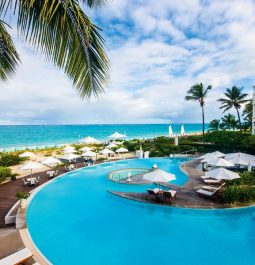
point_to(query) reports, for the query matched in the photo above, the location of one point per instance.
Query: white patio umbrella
(68, 147)
(182, 130)
(51, 161)
(85, 149)
(89, 154)
(220, 162)
(112, 145)
(31, 166)
(117, 135)
(241, 159)
(222, 173)
(159, 176)
(170, 131)
(207, 157)
(90, 140)
(29, 155)
(69, 157)
(218, 154)
(122, 150)
(106, 151)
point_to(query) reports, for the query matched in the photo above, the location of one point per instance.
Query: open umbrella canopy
(69, 151)
(222, 173)
(112, 145)
(182, 130)
(207, 158)
(159, 176)
(28, 154)
(121, 150)
(31, 166)
(69, 157)
(117, 135)
(68, 147)
(89, 154)
(90, 140)
(106, 152)
(170, 131)
(241, 159)
(220, 162)
(218, 154)
(85, 149)
(51, 161)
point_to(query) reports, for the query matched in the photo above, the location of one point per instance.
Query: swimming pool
(74, 220)
(118, 175)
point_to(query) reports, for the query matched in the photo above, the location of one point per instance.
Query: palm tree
(214, 125)
(229, 122)
(247, 112)
(64, 34)
(233, 99)
(199, 93)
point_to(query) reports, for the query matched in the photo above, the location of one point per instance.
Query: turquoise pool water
(123, 173)
(74, 220)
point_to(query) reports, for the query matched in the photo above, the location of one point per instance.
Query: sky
(157, 51)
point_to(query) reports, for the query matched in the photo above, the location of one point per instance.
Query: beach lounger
(204, 177)
(209, 188)
(152, 193)
(207, 193)
(25, 182)
(212, 181)
(17, 258)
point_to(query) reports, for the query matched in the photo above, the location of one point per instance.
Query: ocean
(31, 136)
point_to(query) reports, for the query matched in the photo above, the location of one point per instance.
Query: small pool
(74, 220)
(123, 173)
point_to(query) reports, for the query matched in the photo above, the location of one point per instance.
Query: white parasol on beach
(159, 175)
(31, 166)
(220, 162)
(89, 154)
(241, 159)
(69, 157)
(90, 140)
(122, 150)
(51, 161)
(182, 130)
(28, 155)
(117, 135)
(222, 173)
(85, 149)
(170, 131)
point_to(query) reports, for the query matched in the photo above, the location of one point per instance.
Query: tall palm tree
(199, 93)
(247, 112)
(64, 34)
(234, 98)
(229, 122)
(214, 125)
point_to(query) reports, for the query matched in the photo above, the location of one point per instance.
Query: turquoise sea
(30, 136)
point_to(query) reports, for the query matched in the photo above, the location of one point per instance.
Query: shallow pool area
(121, 174)
(75, 220)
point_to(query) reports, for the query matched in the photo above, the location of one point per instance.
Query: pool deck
(187, 196)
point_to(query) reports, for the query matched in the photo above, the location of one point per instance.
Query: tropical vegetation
(10, 159)
(198, 93)
(5, 174)
(63, 33)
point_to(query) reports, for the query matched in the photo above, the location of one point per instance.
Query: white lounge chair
(207, 193)
(209, 188)
(204, 177)
(17, 257)
(25, 182)
(212, 181)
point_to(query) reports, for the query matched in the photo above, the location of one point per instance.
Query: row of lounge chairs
(208, 190)
(161, 195)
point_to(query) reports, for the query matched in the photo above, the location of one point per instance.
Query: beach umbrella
(222, 173)
(220, 162)
(28, 155)
(90, 140)
(51, 161)
(117, 135)
(106, 151)
(68, 147)
(112, 145)
(182, 130)
(207, 157)
(121, 150)
(89, 154)
(241, 159)
(170, 131)
(31, 166)
(69, 151)
(218, 154)
(85, 149)
(159, 176)
(69, 157)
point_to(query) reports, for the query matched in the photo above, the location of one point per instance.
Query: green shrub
(22, 195)
(7, 159)
(239, 194)
(247, 178)
(5, 173)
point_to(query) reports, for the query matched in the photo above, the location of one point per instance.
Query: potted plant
(22, 196)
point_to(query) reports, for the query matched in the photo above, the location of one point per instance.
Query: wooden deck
(187, 196)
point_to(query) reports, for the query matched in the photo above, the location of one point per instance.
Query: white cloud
(157, 51)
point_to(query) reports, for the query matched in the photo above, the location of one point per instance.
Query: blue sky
(157, 49)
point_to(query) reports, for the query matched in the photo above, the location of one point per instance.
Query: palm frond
(9, 57)
(67, 38)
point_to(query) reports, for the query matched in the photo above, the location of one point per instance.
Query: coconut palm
(247, 112)
(64, 34)
(214, 125)
(229, 122)
(234, 98)
(199, 93)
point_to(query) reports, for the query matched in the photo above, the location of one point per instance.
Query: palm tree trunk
(239, 119)
(203, 120)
